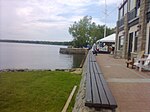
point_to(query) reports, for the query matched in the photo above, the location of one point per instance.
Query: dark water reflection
(35, 56)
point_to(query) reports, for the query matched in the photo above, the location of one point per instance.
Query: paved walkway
(130, 87)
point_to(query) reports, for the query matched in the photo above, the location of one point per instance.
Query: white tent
(110, 38)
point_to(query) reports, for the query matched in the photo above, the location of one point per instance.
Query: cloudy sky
(50, 19)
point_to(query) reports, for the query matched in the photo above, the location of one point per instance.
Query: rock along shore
(73, 70)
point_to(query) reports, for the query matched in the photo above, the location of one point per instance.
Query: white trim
(138, 11)
(132, 29)
(120, 34)
(133, 42)
(147, 38)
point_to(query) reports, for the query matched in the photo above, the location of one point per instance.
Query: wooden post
(69, 99)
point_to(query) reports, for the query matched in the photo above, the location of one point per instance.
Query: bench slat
(96, 99)
(102, 94)
(88, 85)
(98, 68)
(92, 57)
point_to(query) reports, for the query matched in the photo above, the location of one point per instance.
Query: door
(130, 45)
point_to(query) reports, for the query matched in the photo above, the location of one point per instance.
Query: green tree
(80, 31)
(87, 32)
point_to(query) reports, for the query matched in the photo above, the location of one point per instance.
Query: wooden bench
(98, 95)
(133, 59)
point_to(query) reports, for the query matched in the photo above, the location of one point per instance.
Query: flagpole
(105, 19)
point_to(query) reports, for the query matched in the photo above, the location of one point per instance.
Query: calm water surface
(35, 56)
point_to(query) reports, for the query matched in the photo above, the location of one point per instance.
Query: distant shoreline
(37, 42)
(23, 70)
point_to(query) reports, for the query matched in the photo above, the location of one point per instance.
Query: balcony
(132, 15)
(148, 11)
(148, 16)
(148, 4)
(120, 22)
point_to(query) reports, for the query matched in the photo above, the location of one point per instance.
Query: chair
(135, 60)
(144, 63)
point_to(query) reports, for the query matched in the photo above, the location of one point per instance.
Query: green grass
(38, 91)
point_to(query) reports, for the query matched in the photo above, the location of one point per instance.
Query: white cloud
(24, 11)
(78, 3)
(98, 21)
(48, 17)
(110, 2)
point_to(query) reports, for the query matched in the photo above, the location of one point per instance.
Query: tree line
(37, 42)
(85, 32)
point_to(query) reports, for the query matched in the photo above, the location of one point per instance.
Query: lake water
(35, 56)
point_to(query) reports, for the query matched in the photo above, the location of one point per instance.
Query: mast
(105, 19)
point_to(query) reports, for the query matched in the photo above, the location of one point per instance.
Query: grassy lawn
(38, 91)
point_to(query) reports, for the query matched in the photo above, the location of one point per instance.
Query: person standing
(94, 49)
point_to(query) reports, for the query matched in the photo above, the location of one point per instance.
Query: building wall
(126, 37)
(140, 27)
(143, 26)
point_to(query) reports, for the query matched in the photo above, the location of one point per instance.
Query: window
(148, 5)
(130, 43)
(121, 40)
(121, 13)
(132, 4)
(149, 43)
(135, 41)
(125, 8)
(147, 49)
(138, 3)
(149, 46)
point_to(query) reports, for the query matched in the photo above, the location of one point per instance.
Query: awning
(110, 38)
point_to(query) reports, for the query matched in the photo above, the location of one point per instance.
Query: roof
(110, 38)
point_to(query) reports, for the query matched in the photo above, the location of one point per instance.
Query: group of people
(95, 50)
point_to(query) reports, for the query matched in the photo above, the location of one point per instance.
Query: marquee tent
(110, 38)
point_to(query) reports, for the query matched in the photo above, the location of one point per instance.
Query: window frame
(120, 42)
(125, 8)
(131, 4)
